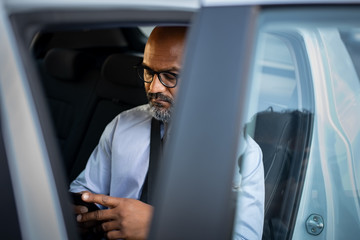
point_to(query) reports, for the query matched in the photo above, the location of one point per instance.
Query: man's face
(163, 53)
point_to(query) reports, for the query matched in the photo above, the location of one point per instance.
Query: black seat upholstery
(69, 78)
(119, 89)
(85, 92)
(284, 139)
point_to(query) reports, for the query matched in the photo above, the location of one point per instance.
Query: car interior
(88, 78)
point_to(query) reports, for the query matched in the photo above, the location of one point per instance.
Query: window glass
(280, 123)
(304, 114)
(146, 30)
(276, 73)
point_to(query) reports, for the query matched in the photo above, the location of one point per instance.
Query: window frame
(24, 26)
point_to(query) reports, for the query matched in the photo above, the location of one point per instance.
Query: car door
(286, 72)
(38, 174)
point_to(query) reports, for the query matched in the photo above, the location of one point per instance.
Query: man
(116, 171)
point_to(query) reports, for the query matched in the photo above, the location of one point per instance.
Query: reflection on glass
(280, 126)
(304, 113)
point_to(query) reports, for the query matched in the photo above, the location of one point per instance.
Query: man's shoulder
(133, 117)
(138, 113)
(252, 160)
(252, 145)
(126, 122)
(139, 110)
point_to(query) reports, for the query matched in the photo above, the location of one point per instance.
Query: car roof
(12, 6)
(33, 5)
(30, 5)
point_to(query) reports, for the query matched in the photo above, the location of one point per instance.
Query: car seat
(119, 89)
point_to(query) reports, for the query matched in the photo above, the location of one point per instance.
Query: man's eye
(168, 76)
(148, 73)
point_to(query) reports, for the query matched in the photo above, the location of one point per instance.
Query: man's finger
(101, 199)
(110, 226)
(99, 215)
(117, 234)
(88, 225)
(78, 209)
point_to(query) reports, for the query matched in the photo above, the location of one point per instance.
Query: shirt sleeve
(96, 175)
(250, 196)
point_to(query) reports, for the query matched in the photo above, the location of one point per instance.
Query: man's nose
(156, 85)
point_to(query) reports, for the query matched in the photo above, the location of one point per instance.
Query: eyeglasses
(168, 79)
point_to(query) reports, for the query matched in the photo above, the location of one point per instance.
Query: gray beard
(157, 110)
(160, 113)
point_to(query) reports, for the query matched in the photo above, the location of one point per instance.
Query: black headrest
(119, 69)
(67, 64)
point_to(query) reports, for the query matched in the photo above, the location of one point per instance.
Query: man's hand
(126, 218)
(89, 227)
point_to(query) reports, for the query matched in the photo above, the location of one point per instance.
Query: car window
(87, 84)
(276, 72)
(280, 123)
(303, 114)
(146, 30)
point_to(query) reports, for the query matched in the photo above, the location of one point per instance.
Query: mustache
(159, 96)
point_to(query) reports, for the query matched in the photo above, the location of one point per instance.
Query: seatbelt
(147, 194)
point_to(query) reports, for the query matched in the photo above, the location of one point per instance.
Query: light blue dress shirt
(249, 187)
(118, 167)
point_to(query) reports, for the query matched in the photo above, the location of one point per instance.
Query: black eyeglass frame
(140, 71)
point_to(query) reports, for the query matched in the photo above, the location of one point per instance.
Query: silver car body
(37, 200)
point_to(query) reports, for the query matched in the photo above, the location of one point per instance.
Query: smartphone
(78, 201)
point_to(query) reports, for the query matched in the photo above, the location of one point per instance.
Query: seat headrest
(119, 69)
(67, 64)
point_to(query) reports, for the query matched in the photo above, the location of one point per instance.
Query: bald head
(163, 53)
(167, 34)
(165, 44)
